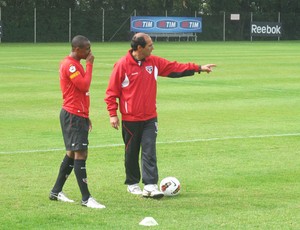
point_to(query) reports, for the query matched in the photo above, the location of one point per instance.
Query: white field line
(28, 68)
(40, 70)
(163, 142)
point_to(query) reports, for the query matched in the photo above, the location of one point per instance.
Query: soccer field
(231, 137)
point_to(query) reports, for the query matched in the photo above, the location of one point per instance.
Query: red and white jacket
(75, 84)
(134, 83)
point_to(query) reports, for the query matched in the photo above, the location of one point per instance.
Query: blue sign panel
(149, 24)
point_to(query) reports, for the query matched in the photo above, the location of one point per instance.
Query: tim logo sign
(271, 29)
(166, 24)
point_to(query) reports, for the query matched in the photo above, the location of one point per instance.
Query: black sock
(80, 172)
(65, 170)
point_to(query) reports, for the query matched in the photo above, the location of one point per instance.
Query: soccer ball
(170, 186)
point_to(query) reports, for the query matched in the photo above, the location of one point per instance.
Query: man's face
(83, 52)
(147, 50)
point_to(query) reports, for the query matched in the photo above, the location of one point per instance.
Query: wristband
(200, 69)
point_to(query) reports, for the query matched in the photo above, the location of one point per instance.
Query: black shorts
(75, 131)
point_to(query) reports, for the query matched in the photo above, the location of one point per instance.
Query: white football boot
(60, 196)
(92, 203)
(134, 189)
(151, 191)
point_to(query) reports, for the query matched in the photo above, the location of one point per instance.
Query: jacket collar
(133, 60)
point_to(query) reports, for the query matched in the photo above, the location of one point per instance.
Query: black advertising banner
(0, 29)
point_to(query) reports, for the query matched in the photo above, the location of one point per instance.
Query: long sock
(80, 172)
(65, 170)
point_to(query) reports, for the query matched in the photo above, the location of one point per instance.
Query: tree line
(92, 17)
(146, 7)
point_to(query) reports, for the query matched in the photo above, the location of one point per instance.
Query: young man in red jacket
(74, 120)
(133, 83)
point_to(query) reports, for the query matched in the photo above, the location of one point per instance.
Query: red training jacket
(135, 85)
(75, 84)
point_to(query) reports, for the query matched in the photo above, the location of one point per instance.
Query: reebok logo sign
(255, 29)
(266, 29)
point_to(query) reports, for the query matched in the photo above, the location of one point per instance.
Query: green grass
(230, 137)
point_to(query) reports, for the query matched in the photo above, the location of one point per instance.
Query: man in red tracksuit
(134, 83)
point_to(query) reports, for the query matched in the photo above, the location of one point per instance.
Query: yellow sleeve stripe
(74, 75)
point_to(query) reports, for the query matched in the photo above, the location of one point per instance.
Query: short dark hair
(79, 41)
(138, 40)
